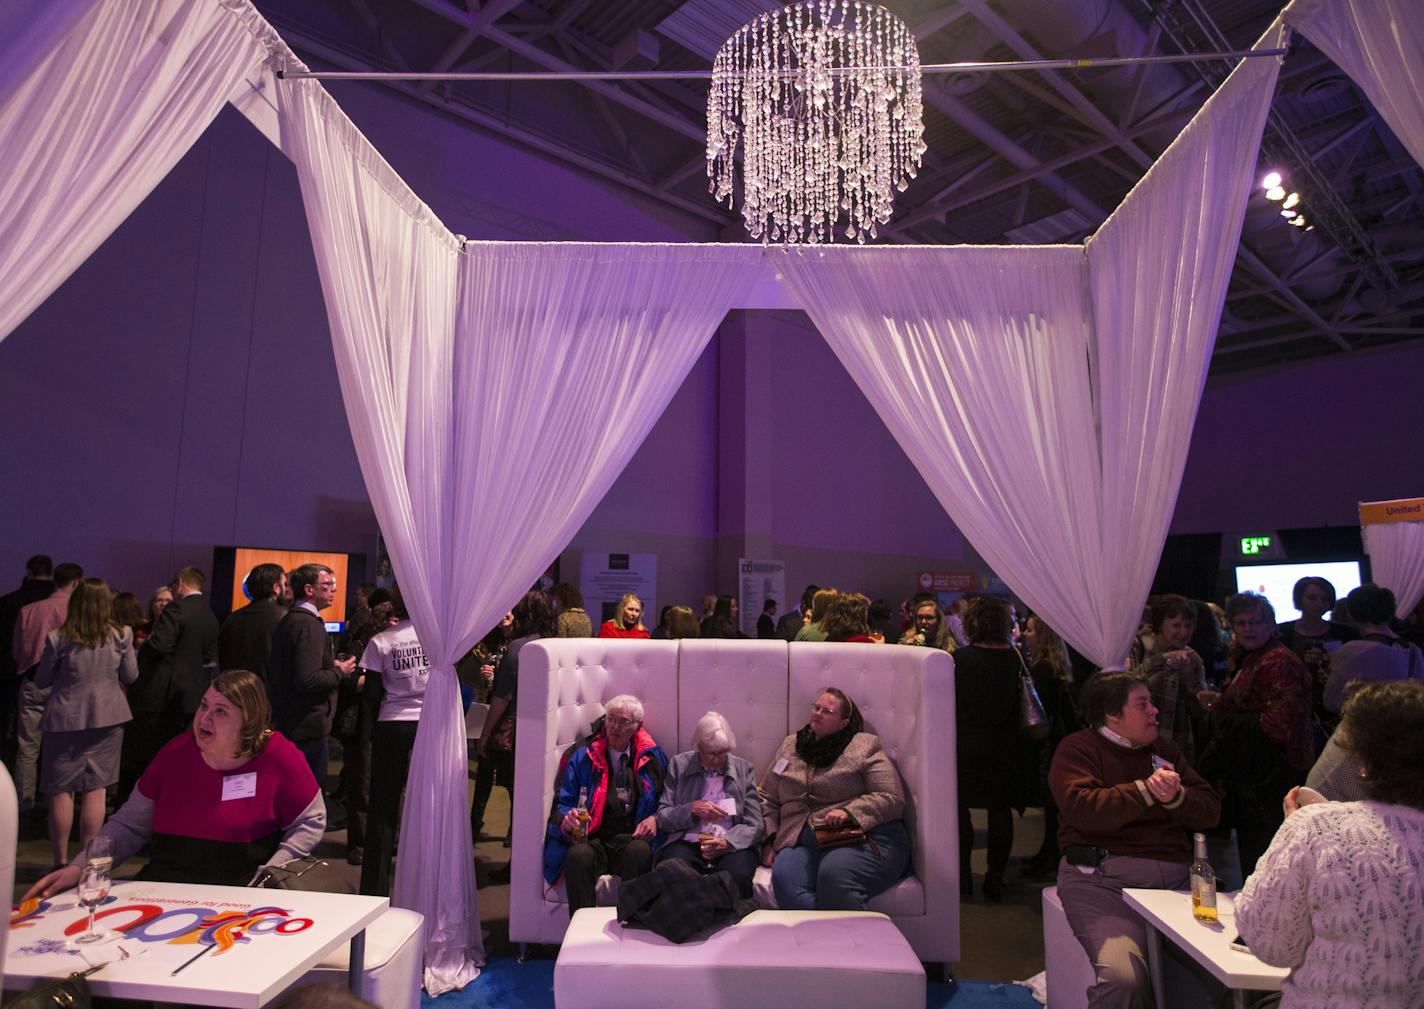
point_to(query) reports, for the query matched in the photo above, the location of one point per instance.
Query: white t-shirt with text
(396, 653)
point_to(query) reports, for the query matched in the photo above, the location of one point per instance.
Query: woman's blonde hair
(1052, 650)
(682, 623)
(89, 621)
(821, 603)
(623, 601)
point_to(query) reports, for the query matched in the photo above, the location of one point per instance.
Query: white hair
(627, 704)
(713, 732)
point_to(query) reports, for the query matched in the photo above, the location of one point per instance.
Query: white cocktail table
(253, 943)
(1169, 913)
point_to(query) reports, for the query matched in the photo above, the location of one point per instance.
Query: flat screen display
(232, 564)
(1276, 581)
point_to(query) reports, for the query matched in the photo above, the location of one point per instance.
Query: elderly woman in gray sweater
(710, 807)
(832, 773)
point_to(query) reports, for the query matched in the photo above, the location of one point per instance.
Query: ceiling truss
(1005, 154)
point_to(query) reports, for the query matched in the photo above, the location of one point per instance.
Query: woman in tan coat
(832, 773)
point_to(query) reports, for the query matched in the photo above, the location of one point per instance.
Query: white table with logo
(1169, 913)
(250, 944)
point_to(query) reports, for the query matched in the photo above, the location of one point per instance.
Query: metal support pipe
(1092, 63)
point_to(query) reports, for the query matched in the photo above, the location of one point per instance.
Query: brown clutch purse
(839, 836)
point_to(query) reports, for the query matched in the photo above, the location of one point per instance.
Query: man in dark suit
(175, 664)
(245, 640)
(304, 671)
(792, 620)
(766, 623)
(38, 584)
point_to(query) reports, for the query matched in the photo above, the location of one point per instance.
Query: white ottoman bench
(391, 975)
(790, 959)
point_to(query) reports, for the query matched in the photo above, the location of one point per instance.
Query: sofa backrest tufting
(765, 688)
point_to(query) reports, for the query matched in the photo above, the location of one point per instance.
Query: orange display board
(1410, 509)
(247, 558)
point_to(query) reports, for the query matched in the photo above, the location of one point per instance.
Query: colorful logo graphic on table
(149, 919)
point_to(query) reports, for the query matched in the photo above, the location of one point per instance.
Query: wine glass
(94, 887)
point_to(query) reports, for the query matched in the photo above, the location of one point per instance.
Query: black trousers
(623, 855)
(496, 768)
(741, 864)
(391, 743)
(1000, 840)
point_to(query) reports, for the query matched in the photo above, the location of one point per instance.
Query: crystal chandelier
(824, 96)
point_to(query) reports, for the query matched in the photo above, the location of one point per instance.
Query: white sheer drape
(976, 360)
(1380, 44)
(29, 31)
(1396, 552)
(1048, 395)
(93, 127)
(1158, 270)
(494, 393)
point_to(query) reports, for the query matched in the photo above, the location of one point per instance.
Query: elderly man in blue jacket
(621, 771)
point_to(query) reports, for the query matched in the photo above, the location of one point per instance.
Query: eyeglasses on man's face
(619, 722)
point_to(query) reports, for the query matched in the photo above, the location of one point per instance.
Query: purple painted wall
(1302, 447)
(151, 403)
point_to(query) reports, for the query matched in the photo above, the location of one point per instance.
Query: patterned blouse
(1273, 683)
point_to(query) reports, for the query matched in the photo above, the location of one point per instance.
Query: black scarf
(825, 752)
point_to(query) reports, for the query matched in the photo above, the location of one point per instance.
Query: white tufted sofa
(765, 688)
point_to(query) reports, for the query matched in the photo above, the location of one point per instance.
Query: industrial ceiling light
(1291, 201)
(1275, 193)
(824, 97)
(1271, 181)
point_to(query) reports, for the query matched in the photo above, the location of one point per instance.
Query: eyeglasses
(817, 709)
(618, 722)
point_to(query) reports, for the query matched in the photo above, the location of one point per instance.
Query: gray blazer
(683, 786)
(86, 691)
(863, 782)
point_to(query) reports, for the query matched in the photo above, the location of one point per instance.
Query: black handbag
(311, 874)
(1033, 718)
(70, 992)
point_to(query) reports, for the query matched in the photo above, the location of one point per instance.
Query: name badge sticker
(780, 766)
(239, 786)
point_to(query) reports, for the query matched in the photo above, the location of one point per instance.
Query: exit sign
(1254, 546)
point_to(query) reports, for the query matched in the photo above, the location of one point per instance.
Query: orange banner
(1409, 509)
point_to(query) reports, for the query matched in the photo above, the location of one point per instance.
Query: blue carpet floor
(507, 984)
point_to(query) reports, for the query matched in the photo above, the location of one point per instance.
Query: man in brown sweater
(1128, 805)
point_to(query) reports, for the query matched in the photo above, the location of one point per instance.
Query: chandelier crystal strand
(823, 100)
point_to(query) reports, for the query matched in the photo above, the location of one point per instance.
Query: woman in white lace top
(1339, 896)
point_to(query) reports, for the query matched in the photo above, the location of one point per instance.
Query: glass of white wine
(94, 879)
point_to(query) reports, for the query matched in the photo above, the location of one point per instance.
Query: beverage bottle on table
(583, 817)
(1203, 883)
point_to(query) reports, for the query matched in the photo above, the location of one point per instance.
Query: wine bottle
(1203, 883)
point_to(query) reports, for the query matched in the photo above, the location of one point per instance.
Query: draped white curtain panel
(1380, 44)
(1396, 552)
(495, 390)
(1047, 395)
(127, 88)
